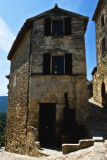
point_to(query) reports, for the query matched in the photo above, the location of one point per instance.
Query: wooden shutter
(68, 64)
(47, 29)
(46, 64)
(67, 26)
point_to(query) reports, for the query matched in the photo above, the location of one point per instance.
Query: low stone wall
(67, 148)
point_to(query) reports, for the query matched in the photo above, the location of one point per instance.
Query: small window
(57, 28)
(58, 65)
(102, 20)
(103, 46)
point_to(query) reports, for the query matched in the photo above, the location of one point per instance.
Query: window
(57, 65)
(57, 27)
(102, 20)
(103, 90)
(103, 46)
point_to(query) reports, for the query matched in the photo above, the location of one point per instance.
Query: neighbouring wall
(100, 76)
(18, 97)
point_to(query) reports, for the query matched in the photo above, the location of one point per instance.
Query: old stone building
(100, 72)
(48, 67)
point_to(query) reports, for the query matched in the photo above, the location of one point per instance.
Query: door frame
(44, 103)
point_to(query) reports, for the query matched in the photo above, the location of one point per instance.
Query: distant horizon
(13, 15)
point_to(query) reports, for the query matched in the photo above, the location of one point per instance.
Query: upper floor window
(102, 20)
(57, 65)
(103, 46)
(57, 27)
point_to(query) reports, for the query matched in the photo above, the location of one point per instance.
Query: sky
(13, 14)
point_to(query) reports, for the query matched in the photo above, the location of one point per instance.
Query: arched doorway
(103, 90)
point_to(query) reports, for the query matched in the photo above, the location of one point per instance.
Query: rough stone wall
(59, 45)
(51, 89)
(17, 100)
(101, 74)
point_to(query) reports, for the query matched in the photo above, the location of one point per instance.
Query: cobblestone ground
(106, 149)
(84, 154)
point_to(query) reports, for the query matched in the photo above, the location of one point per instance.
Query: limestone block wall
(101, 74)
(17, 100)
(51, 89)
(99, 77)
(59, 45)
(101, 32)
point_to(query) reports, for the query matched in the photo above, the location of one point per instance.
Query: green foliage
(2, 127)
(3, 104)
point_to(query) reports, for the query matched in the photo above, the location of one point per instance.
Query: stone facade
(29, 87)
(100, 75)
(18, 97)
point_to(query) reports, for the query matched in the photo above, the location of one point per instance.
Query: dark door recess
(47, 118)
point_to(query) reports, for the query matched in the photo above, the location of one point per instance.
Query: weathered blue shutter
(46, 64)
(68, 64)
(67, 26)
(47, 29)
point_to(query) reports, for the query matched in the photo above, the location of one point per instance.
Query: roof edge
(97, 9)
(22, 32)
(94, 71)
(27, 25)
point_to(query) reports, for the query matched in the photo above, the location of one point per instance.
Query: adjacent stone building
(100, 72)
(47, 62)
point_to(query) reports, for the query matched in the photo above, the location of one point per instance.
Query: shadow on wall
(97, 125)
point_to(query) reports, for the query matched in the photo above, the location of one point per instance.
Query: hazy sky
(13, 14)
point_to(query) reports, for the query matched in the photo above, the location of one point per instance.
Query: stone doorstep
(67, 148)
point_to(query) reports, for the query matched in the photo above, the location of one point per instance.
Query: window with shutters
(57, 65)
(57, 27)
(103, 46)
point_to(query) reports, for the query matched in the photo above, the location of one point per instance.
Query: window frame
(51, 66)
(57, 20)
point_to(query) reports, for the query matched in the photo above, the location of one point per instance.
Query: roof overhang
(8, 76)
(94, 71)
